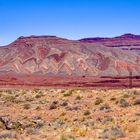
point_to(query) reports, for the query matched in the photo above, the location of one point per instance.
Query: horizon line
(68, 38)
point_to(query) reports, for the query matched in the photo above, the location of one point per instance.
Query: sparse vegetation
(53, 105)
(98, 101)
(27, 106)
(10, 98)
(123, 103)
(68, 93)
(67, 137)
(113, 133)
(78, 97)
(87, 112)
(137, 102)
(73, 114)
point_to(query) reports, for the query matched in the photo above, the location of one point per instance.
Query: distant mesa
(129, 35)
(52, 55)
(124, 36)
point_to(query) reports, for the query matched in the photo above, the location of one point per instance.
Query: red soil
(33, 81)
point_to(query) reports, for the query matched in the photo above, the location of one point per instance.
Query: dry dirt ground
(70, 114)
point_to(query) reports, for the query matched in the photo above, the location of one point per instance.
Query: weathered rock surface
(51, 55)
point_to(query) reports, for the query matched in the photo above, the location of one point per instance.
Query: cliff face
(51, 55)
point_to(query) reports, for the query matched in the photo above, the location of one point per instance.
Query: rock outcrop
(51, 55)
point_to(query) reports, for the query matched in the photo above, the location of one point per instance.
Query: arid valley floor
(70, 114)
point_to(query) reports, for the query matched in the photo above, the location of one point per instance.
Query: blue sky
(73, 19)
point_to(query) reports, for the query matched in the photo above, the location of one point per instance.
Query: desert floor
(70, 114)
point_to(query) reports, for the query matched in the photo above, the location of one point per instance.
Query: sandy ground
(70, 114)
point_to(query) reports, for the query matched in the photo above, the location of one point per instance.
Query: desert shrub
(112, 98)
(68, 93)
(38, 96)
(26, 106)
(67, 137)
(78, 97)
(36, 90)
(126, 96)
(87, 112)
(98, 101)
(8, 91)
(10, 99)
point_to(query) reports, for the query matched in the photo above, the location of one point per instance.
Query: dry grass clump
(98, 101)
(68, 93)
(78, 97)
(67, 137)
(10, 98)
